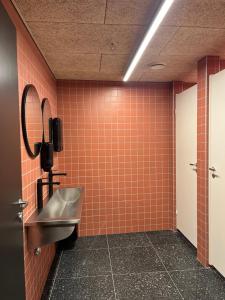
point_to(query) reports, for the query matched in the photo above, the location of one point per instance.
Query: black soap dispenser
(46, 156)
(57, 134)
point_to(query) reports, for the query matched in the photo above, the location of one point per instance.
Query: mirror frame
(45, 100)
(37, 147)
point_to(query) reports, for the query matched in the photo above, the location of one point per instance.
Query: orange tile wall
(118, 145)
(32, 69)
(206, 66)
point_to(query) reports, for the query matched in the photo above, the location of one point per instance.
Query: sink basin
(57, 219)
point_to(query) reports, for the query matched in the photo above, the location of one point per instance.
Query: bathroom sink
(57, 219)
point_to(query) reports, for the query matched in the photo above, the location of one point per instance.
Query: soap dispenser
(46, 156)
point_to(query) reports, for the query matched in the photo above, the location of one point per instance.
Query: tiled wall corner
(206, 66)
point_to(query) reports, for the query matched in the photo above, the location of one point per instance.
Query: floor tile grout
(81, 249)
(164, 266)
(122, 247)
(72, 251)
(139, 273)
(131, 273)
(111, 268)
(88, 276)
(115, 274)
(188, 270)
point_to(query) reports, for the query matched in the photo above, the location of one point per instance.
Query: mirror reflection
(47, 121)
(31, 120)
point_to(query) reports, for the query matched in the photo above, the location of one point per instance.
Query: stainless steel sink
(57, 219)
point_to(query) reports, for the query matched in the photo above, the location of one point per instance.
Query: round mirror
(47, 121)
(31, 120)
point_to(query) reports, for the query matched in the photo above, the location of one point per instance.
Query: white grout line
(82, 249)
(132, 273)
(117, 274)
(87, 276)
(56, 272)
(164, 266)
(115, 247)
(189, 270)
(111, 267)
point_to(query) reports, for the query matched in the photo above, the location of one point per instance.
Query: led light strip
(148, 36)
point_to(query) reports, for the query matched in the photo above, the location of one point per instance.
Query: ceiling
(96, 39)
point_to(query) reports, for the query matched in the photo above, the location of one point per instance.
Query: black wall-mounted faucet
(50, 179)
(40, 184)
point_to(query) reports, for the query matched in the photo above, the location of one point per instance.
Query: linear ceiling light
(148, 36)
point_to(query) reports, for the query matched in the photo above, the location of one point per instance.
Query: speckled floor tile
(90, 288)
(203, 284)
(134, 260)
(128, 240)
(84, 263)
(91, 242)
(178, 256)
(138, 271)
(166, 237)
(145, 286)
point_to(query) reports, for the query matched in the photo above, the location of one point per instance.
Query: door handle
(214, 175)
(193, 165)
(20, 216)
(212, 169)
(21, 203)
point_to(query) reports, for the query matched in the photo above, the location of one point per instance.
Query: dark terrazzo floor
(152, 265)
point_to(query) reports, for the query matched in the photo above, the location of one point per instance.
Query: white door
(217, 173)
(186, 163)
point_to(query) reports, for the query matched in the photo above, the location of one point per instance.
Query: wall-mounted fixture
(49, 183)
(31, 118)
(57, 220)
(47, 120)
(47, 159)
(57, 134)
(40, 184)
(51, 174)
(47, 146)
(41, 133)
(164, 8)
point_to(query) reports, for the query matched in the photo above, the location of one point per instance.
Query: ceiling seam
(100, 64)
(188, 26)
(164, 46)
(106, 8)
(81, 23)
(123, 24)
(97, 53)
